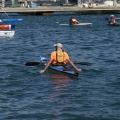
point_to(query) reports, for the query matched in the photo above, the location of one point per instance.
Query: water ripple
(27, 94)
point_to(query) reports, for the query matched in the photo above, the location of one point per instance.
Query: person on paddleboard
(112, 19)
(59, 58)
(73, 21)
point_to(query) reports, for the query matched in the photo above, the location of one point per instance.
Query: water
(25, 94)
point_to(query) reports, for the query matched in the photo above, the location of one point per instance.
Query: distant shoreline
(48, 10)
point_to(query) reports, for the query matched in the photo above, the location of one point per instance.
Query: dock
(49, 10)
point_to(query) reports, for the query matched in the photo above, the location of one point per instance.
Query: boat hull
(114, 24)
(6, 27)
(63, 69)
(7, 33)
(11, 20)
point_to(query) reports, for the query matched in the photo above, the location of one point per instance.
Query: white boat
(80, 24)
(7, 33)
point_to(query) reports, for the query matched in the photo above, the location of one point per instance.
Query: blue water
(25, 94)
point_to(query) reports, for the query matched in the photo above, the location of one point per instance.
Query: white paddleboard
(80, 24)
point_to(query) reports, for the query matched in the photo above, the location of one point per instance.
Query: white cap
(112, 15)
(59, 45)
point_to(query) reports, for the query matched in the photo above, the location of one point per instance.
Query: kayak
(114, 24)
(11, 20)
(61, 69)
(7, 33)
(6, 27)
(80, 24)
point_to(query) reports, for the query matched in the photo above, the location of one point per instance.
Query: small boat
(80, 24)
(6, 27)
(114, 24)
(10, 20)
(61, 69)
(7, 33)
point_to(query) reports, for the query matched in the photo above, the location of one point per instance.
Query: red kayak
(6, 27)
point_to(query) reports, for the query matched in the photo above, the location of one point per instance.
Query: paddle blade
(32, 63)
(83, 63)
(106, 18)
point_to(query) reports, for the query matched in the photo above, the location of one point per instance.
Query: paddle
(37, 63)
(106, 18)
(32, 63)
(83, 63)
(115, 18)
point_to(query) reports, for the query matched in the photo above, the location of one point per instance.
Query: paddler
(112, 19)
(59, 58)
(73, 21)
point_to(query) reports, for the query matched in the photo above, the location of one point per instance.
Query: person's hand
(42, 71)
(78, 70)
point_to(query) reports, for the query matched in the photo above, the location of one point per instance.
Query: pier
(49, 10)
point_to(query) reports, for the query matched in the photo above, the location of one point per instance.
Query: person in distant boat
(73, 21)
(112, 19)
(59, 58)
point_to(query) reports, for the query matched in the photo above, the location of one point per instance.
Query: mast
(114, 2)
(79, 3)
(3, 3)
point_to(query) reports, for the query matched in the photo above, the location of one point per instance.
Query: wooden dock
(48, 10)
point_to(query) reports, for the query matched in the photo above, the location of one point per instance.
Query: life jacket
(112, 20)
(72, 21)
(60, 61)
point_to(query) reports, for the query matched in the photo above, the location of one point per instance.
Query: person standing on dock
(73, 21)
(112, 19)
(90, 4)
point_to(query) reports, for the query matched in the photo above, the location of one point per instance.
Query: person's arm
(47, 65)
(114, 19)
(72, 64)
(77, 22)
